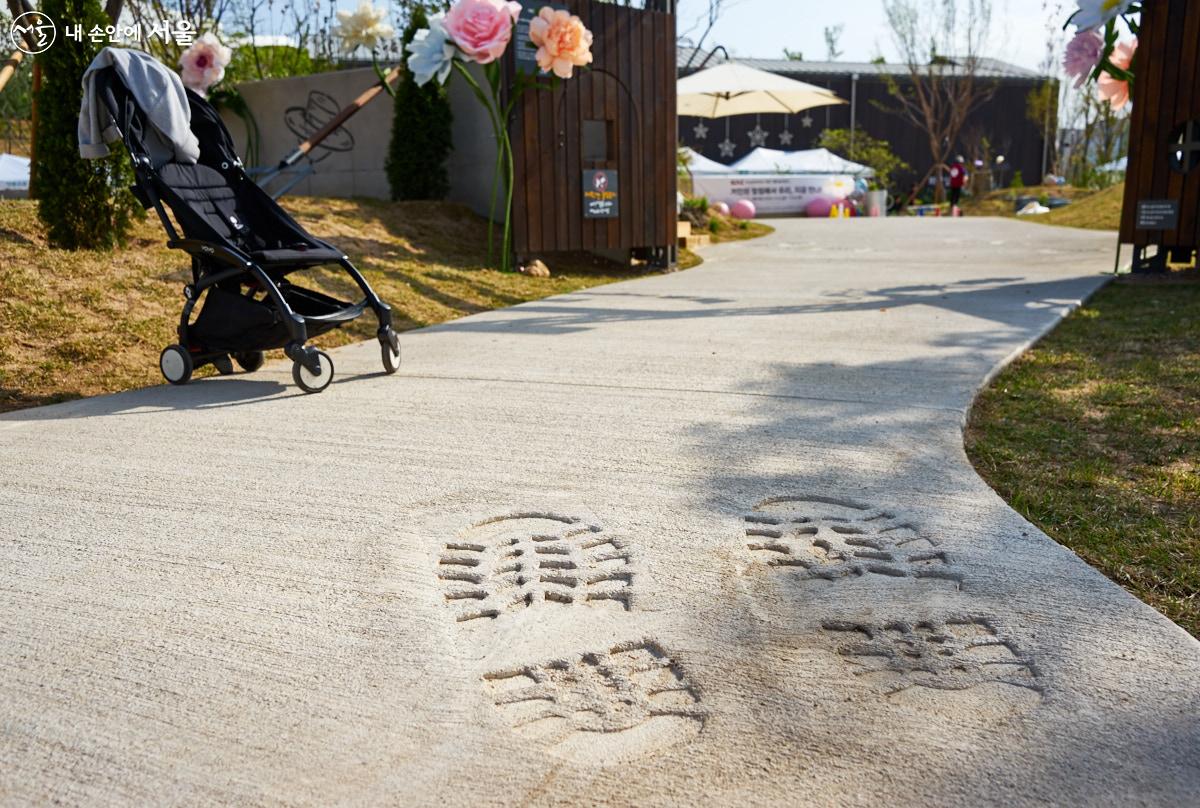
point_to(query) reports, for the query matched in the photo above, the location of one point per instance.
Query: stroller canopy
(213, 200)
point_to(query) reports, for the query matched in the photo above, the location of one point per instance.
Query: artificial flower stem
(501, 135)
(495, 197)
(383, 77)
(504, 162)
(511, 180)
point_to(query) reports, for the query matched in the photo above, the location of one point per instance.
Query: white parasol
(735, 89)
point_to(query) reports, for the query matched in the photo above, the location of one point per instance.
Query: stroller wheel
(176, 364)
(249, 361)
(224, 365)
(391, 357)
(311, 382)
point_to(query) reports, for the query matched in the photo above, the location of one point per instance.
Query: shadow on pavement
(582, 311)
(206, 393)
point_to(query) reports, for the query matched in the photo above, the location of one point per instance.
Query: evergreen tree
(83, 203)
(421, 133)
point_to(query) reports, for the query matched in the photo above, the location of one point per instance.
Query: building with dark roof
(999, 126)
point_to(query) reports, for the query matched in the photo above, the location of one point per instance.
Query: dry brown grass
(81, 323)
(15, 136)
(1089, 209)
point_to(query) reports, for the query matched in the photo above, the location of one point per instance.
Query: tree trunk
(33, 116)
(939, 190)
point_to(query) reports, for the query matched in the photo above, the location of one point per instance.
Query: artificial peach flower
(203, 64)
(1111, 89)
(563, 42)
(481, 29)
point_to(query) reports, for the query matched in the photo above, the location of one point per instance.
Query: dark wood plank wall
(1166, 96)
(631, 84)
(1001, 119)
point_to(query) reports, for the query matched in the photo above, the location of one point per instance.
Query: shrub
(695, 210)
(253, 62)
(869, 151)
(83, 203)
(421, 133)
(682, 159)
(1018, 181)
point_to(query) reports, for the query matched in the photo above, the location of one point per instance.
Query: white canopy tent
(735, 89)
(810, 161)
(699, 164)
(14, 173)
(779, 182)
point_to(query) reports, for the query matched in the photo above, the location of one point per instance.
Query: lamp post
(853, 109)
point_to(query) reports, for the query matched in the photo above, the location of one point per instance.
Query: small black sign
(600, 194)
(1158, 214)
(525, 49)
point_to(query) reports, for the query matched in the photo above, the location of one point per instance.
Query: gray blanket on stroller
(160, 94)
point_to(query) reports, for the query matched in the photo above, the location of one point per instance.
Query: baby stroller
(243, 248)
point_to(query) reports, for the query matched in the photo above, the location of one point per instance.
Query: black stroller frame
(237, 236)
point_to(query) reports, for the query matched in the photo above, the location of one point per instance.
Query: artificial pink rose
(203, 64)
(1111, 89)
(481, 28)
(563, 42)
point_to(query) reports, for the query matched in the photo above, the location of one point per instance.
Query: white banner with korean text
(773, 193)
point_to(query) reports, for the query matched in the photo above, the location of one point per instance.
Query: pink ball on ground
(722, 208)
(743, 209)
(819, 207)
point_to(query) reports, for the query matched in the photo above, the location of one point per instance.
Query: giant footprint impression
(592, 705)
(631, 699)
(828, 539)
(814, 539)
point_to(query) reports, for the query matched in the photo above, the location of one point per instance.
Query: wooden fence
(617, 118)
(1162, 181)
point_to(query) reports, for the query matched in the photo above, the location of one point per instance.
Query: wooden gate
(611, 127)
(1162, 180)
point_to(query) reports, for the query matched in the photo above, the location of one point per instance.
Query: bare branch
(705, 23)
(941, 43)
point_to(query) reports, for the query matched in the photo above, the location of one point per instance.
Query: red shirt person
(958, 180)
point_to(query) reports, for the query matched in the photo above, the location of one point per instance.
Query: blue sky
(763, 28)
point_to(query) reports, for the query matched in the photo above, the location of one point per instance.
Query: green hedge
(421, 133)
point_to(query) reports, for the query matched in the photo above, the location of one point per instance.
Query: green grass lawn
(1094, 435)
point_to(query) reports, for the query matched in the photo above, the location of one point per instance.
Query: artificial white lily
(364, 27)
(1094, 13)
(431, 53)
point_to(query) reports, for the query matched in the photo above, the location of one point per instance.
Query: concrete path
(701, 538)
